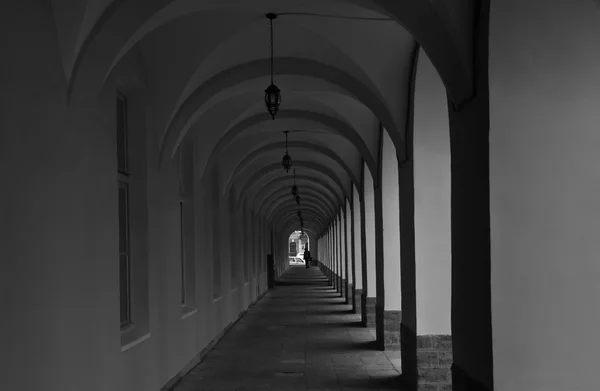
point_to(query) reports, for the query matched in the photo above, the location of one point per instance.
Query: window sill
(217, 299)
(187, 311)
(234, 289)
(133, 336)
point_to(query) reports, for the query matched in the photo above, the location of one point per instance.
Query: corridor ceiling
(205, 65)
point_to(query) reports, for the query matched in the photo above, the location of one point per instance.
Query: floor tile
(300, 336)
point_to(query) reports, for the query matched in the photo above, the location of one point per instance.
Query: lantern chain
(271, 24)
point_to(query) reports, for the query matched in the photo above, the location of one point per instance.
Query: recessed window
(124, 214)
(186, 230)
(182, 248)
(122, 134)
(124, 255)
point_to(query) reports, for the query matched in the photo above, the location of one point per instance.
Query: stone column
(333, 258)
(357, 251)
(349, 264)
(370, 235)
(338, 251)
(342, 247)
(470, 199)
(391, 305)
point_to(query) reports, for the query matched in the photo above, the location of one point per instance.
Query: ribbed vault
(204, 65)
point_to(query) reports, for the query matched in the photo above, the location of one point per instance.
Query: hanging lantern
(287, 160)
(272, 99)
(272, 93)
(298, 199)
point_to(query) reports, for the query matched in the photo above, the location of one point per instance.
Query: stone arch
(284, 192)
(284, 219)
(316, 184)
(325, 151)
(446, 37)
(285, 201)
(286, 66)
(336, 124)
(276, 166)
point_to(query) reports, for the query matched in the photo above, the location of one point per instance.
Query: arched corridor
(438, 158)
(312, 341)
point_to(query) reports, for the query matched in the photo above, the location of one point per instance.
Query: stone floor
(300, 336)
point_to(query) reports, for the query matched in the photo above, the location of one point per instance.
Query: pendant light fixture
(298, 199)
(294, 188)
(287, 160)
(272, 93)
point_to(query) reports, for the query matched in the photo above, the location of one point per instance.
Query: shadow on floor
(295, 338)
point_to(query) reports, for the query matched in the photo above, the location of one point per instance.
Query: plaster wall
(369, 200)
(391, 224)
(544, 176)
(348, 241)
(358, 283)
(60, 290)
(342, 243)
(433, 257)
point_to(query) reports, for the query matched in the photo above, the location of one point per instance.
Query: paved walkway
(300, 336)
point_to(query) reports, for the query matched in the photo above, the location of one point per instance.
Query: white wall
(357, 241)
(369, 200)
(432, 201)
(545, 187)
(391, 224)
(59, 225)
(348, 240)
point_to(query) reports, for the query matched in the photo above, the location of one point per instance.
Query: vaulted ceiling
(206, 63)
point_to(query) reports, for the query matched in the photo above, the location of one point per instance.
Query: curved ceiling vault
(206, 65)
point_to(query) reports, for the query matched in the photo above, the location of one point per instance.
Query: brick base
(361, 306)
(434, 359)
(348, 293)
(350, 298)
(392, 323)
(371, 311)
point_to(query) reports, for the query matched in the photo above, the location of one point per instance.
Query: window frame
(124, 183)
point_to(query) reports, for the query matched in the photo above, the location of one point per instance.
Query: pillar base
(344, 290)
(350, 298)
(392, 324)
(348, 292)
(357, 308)
(371, 311)
(363, 308)
(434, 360)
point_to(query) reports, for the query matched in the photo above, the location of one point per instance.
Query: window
(186, 231)
(124, 215)
(122, 139)
(182, 246)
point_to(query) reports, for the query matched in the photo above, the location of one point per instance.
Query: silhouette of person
(307, 257)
